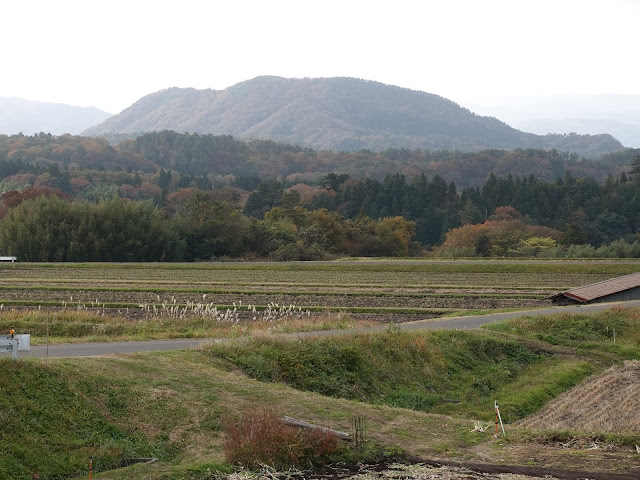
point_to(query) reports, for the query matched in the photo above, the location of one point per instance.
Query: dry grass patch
(609, 402)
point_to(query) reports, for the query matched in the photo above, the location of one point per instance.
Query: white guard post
(15, 344)
(24, 342)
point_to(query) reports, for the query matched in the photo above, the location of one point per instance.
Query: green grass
(48, 421)
(540, 383)
(173, 405)
(615, 330)
(495, 266)
(439, 372)
(73, 326)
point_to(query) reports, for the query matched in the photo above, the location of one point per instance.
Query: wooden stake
(46, 361)
(499, 418)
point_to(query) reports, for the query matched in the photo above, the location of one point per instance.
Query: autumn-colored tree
(534, 246)
(502, 235)
(388, 237)
(505, 213)
(149, 190)
(335, 228)
(395, 234)
(14, 198)
(465, 236)
(129, 191)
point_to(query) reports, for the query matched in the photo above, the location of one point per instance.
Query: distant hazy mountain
(618, 115)
(334, 113)
(29, 117)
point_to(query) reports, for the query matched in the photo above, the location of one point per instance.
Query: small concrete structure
(618, 289)
(8, 259)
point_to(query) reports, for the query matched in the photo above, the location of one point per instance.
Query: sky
(109, 54)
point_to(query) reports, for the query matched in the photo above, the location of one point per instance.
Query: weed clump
(261, 438)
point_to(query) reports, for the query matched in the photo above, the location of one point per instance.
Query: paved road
(462, 323)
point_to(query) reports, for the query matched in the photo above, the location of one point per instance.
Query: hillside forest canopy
(338, 113)
(165, 196)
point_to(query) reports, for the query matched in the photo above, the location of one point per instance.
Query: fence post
(498, 417)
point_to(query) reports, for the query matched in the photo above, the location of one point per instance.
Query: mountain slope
(29, 117)
(334, 113)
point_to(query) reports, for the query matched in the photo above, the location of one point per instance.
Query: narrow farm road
(461, 323)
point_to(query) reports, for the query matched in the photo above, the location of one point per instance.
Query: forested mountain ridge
(196, 154)
(219, 156)
(339, 113)
(27, 116)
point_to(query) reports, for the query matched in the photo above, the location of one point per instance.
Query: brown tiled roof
(602, 289)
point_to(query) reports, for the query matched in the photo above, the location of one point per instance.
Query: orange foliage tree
(506, 230)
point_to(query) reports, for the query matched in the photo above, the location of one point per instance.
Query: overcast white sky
(109, 54)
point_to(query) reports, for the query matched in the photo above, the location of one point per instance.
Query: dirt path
(462, 323)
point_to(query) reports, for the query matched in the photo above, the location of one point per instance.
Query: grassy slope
(172, 405)
(449, 372)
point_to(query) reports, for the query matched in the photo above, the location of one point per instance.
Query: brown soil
(72, 298)
(431, 470)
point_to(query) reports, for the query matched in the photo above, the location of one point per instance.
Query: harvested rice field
(608, 402)
(432, 288)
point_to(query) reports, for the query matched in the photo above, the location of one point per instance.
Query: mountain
(335, 113)
(29, 117)
(618, 115)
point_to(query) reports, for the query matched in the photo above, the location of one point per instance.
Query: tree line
(60, 188)
(220, 156)
(341, 216)
(46, 226)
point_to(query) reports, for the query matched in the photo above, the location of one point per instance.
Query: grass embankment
(79, 326)
(615, 331)
(51, 423)
(69, 326)
(448, 372)
(171, 406)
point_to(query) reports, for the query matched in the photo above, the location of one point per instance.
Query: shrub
(261, 438)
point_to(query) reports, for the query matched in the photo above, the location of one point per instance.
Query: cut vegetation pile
(609, 402)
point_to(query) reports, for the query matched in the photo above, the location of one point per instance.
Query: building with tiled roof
(614, 290)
